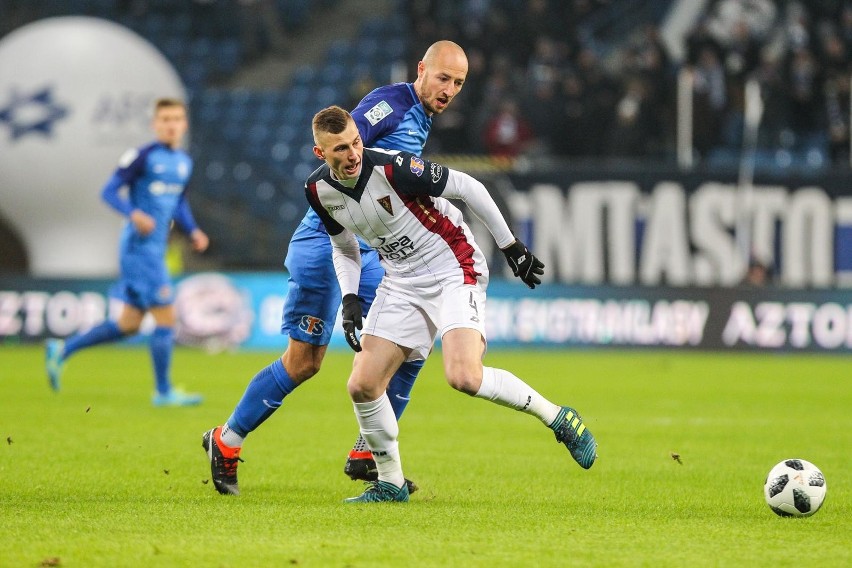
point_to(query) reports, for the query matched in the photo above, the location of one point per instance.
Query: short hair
(168, 102)
(332, 120)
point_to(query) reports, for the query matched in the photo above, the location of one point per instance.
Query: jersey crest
(385, 202)
(417, 166)
(378, 112)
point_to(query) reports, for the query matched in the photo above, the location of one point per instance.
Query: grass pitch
(95, 476)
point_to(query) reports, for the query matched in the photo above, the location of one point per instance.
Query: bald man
(393, 117)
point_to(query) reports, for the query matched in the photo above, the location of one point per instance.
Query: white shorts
(413, 318)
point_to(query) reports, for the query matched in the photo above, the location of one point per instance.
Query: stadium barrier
(220, 311)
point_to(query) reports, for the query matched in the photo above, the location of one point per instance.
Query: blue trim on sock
(399, 388)
(104, 332)
(161, 347)
(263, 396)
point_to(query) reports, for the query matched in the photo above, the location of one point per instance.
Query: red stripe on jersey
(312, 187)
(424, 209)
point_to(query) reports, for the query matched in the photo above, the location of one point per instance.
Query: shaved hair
(332, 120)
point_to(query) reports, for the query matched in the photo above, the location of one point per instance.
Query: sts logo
(312, 325)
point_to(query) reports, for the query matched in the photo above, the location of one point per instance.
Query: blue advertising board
(219, 311)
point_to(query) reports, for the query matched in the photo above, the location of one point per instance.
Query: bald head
(440, 75)
(445, 51)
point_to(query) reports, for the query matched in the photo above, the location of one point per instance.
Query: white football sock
(380, 428)
(231, 438)
(506, 389)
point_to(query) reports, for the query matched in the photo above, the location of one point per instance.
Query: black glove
(524, 264)
(352, 320)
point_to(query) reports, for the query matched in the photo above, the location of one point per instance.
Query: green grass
(96, 476)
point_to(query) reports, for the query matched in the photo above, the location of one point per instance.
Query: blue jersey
(389, 117)
(157, 177)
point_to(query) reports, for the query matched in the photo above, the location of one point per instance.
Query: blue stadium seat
(328, 96)
(263, 200)
(194, 74)
(228, 55)
(181, 24)
(333, 74)
(280, 151)
(304, 75)
(372, 27)
(201, 48)
(285, 133)
(394, 48)
(174, 48)
(298, 95)
(366, 48)
(339, 51)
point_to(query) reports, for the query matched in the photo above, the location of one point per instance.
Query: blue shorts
(313, 294)
(144, 283)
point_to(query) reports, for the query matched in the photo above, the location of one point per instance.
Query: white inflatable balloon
(75, 94)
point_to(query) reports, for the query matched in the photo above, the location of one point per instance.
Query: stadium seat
(339, 50)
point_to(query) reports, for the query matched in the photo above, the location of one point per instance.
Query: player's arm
(346, 257)
(375, 118)
(186, 222)
(413, 174)
(131, 166)
(523, 263)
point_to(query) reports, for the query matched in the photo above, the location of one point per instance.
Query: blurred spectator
(710, 100)
(634, 124)
(806, 101)
(541, 110)
(601, 96)
(758, 274)
(618, 98)
(507, 133)
(837, 105)
(572, 118)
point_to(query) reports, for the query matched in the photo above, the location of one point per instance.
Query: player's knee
(301, 371)
(464, 374)
(128, 328)
(362, 390)
(464, 380)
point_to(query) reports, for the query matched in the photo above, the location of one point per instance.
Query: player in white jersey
(435, 282)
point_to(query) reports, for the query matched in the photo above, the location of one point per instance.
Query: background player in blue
(396, 117)
(156, 176)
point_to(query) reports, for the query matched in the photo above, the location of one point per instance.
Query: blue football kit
(156, 177)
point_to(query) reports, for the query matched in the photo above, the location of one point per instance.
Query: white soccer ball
(795, 488)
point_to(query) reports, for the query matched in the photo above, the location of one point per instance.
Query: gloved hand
(352, 320)
(524, 264)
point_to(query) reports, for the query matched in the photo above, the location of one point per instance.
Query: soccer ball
(795, 488)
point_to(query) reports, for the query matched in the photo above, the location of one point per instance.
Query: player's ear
(319, 153)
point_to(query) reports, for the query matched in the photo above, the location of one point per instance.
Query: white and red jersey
(395, 206)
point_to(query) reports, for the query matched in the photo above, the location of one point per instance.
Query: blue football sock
(263, 396)
(399, 388)
(101, 333)
(162, 343)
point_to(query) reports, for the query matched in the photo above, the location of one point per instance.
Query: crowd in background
(554, 77)
(539, 81)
